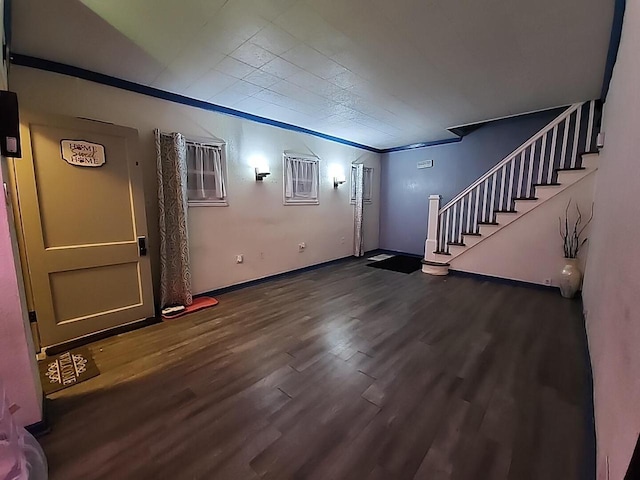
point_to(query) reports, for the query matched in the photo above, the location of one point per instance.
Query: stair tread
(441, 253)
(554, 184)
(457, 244)
(435, 264)
(574, 169)
(488, 223)
(506, 211)
(473, 234)
(526, 198)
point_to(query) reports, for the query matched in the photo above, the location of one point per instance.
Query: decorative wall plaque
(83, 154)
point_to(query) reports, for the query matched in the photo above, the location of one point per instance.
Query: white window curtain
(205, 175)
(301, 180)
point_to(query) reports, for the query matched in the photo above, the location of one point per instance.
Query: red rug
(199, 303)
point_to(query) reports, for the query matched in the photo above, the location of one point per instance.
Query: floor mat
(382, 256)
(399, 263)
(198, 304)
(66, 369)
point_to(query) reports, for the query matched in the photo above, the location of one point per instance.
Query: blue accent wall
(405, 190)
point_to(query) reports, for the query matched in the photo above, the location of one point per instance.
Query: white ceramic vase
(570, 278)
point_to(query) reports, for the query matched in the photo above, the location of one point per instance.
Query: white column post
(431, 245)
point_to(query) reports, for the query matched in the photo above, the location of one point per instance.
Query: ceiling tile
(210, 84)
(316, 84)
(234, 94)
(252, 54)
(313, 61)
(280, 68)
(347, 79)
(253, 105)
(235, 68)
(274, 39)
(262, 79)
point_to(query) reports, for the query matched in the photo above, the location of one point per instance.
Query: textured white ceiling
(378, 72)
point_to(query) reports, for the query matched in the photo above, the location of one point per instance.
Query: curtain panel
(175, 273)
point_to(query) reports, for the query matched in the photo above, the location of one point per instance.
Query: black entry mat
(66, 369)
(399, 263)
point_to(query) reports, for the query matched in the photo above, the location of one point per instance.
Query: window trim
(222, 145)
(352, 200)
(302, 156)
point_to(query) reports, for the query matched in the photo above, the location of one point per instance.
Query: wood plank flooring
(345, 372)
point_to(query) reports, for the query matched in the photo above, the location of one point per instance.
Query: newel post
(431, 245)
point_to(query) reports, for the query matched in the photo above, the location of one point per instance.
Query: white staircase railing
(557, 146)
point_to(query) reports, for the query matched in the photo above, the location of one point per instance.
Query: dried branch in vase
(572, 240)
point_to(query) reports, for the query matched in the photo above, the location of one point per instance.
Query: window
(368, 182)
(206, 174)
(301, 178)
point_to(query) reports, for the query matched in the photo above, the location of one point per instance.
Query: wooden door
(83, 225)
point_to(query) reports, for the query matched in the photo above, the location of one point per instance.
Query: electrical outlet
(342, 240)
(302, 246)
(547, 282)
(239, 258)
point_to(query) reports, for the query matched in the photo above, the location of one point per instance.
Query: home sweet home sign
(82, 153)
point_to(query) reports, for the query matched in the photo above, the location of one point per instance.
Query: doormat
(198, 303)
(399, 263)
(382, 256)
(66, 369)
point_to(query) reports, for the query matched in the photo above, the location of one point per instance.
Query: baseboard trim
(504, 281)
(268, 278)
(92, 337)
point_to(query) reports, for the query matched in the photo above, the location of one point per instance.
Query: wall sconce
(261, 173)
(338, 180)
(261, 166)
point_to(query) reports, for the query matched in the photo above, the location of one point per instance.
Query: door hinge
(33, 317)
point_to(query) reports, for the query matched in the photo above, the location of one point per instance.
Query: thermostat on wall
(425, 164)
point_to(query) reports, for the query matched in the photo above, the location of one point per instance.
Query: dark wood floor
(344, 372)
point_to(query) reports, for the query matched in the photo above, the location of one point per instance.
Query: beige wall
(256, 223)
(612, 284)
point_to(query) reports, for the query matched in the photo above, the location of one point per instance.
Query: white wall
(530, 248)
(612, 284)
(256, 223)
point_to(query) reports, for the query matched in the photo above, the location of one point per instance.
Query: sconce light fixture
(261, 166)
(338, 180)
(261, 173)
(336, 172)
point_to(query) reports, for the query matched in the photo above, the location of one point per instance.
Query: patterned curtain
(175, 275)
(358, 237)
